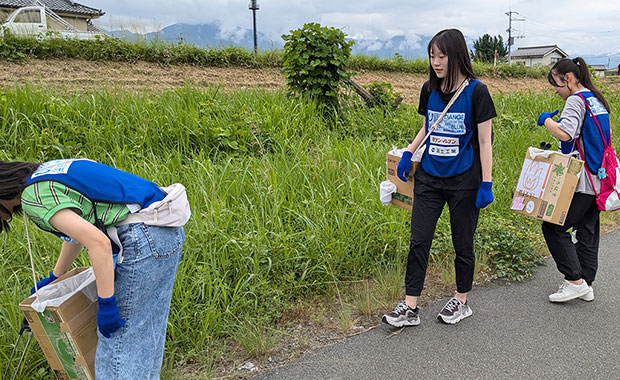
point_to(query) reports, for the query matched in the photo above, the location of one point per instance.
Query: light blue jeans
(143, 288)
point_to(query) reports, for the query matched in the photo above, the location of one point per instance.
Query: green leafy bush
(510, 248)
(315, 61)
(383, 94)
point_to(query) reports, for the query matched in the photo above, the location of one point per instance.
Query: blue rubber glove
(108, 319)
(485, 195)
(544, 116)
(44, 282)
(404, 166)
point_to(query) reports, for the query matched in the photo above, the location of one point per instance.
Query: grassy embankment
(21, 49)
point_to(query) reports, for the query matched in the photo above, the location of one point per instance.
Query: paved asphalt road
(514, 333)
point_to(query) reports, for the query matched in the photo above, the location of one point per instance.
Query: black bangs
(4, 226)
(439, 42)
(17, 210)
(551, 79)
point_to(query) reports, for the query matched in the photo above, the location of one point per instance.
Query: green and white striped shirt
(41, 200)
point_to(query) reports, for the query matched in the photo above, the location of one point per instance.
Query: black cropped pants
(428, 204)
(576, 260)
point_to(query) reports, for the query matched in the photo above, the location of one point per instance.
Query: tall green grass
(284, 206)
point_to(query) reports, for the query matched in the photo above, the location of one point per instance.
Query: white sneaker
(569, 291)
(589, 296)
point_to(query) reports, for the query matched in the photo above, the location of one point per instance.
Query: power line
(566, 30)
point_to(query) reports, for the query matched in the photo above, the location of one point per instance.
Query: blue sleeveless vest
(448, 149)
(590, 134)
(99, 182)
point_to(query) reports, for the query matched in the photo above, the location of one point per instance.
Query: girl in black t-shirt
(455, 169)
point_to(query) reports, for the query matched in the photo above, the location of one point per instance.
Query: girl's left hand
(485, 194)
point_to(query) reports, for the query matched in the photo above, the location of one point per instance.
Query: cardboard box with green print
(63, 319)
(546, 185)
(403, 197)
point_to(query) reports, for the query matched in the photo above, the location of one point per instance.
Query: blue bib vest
(448, 149)
(593, 145)
(99, 182)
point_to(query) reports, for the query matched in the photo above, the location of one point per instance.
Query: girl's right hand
(404, 166)
(544, 116)
(43, 282)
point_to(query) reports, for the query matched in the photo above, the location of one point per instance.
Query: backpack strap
(581, 152)
(597, 123)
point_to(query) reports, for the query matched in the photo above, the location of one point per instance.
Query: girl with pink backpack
(584, 131)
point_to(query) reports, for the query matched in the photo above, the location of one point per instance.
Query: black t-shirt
(483, 109)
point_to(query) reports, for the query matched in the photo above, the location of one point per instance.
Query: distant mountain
(212, 35)
(202, 35)
(610, 60)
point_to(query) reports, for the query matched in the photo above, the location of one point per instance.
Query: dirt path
(77, 75)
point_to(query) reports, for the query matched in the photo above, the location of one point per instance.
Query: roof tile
(535, 51)
(67, 6)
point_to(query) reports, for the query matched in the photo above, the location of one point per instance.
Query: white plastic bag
(386, 189)
(57, 293)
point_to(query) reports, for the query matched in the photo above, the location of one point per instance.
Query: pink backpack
(609, 173)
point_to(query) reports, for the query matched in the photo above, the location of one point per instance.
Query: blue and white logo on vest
(452, 124)
(54, 167)
(597, 107)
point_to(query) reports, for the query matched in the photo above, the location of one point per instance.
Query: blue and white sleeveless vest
(590, 134)
(99, 182)
(449, 150)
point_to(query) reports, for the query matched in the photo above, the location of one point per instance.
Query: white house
(599, 70)
(78, 15)
(537, 55)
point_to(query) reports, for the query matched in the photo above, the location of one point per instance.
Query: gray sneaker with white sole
(454, 311)
(402, 315)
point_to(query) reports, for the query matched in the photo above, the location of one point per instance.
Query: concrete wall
(78, 22)
(551, 59)
(548, 60)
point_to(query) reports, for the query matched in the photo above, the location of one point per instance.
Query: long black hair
(579, 69)
(451, 43)
(13, 177)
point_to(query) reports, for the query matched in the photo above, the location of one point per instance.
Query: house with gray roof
(599, 70)
(537, 55)
(78, 15)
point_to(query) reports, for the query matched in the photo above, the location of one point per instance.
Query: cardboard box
(546, 185)
(67, 333)
(403, 197)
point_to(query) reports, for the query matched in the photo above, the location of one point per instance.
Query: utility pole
(254, 7)
(511, 40)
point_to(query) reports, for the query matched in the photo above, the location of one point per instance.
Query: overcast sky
(583, 27)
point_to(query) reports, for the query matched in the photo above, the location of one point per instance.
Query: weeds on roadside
(283, 208)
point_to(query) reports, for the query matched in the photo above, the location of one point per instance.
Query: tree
(485, 46)
(315, 61)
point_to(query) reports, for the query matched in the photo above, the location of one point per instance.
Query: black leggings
(576, 260)
(428, 203)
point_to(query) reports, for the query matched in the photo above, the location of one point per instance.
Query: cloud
(545, 22)
(375, 46)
